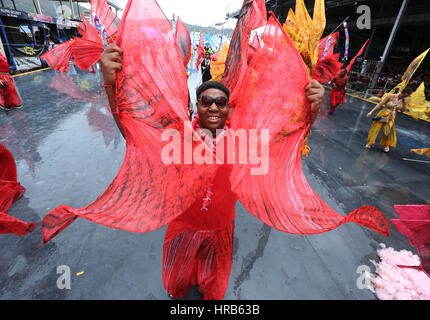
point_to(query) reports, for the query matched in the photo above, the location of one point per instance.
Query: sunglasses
(206, 101)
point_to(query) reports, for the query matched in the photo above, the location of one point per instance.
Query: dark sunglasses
(206, 101)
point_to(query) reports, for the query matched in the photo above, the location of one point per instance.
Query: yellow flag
(317, 29)
(218, 67)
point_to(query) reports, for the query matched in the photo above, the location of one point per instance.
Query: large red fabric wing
(183, 40)
(103, 17)
(86, 51)
(273, 99)
(58, 57)
(414, 222)
(10, 191)
(252, 15)
(152, 96)
(351, 63)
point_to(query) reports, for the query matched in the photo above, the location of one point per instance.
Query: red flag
(348, 68)
(200, 50)
(183, 40)
(252, 15)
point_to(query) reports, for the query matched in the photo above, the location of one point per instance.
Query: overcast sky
(198, 12)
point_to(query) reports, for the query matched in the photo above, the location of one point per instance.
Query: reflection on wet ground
(68, 150)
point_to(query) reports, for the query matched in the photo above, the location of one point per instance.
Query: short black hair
(212, 85)
(407, 91)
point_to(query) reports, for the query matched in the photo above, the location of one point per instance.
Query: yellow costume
(389, 137)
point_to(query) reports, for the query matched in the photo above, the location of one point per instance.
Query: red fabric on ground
(414, 222)
(10, 191)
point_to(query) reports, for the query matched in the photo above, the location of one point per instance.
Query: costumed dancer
(385, 119)
(337, 93)
(9, 98)
(148, 98)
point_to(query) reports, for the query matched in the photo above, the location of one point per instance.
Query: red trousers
(337, 97)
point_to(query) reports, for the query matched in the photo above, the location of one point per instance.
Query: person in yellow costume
(385, 119)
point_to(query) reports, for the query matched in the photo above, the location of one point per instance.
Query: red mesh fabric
(58, 57)
(86, 51)
(252, 15)
(282, 198)
(152, 97)
(200, 50)
(323, 42)
(199, 258)
(414, 223)
(253, 46)
(103, 17)
(4, 65)
(183, 40)
(10, 191)
(8, 95)
(351, 63)
(326, 69)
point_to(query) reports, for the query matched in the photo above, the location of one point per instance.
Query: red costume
(10, 191)
(9, 98)
(337, 93)
(197, 200)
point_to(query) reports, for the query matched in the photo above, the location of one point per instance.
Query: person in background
(337, 93)
(385, 119)
(9, 98)
(206, 67)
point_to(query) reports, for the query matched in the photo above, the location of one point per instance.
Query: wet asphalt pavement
(68, 150)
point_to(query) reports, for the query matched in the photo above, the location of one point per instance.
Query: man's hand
(315, 95)
(369, 114)
(111, 63)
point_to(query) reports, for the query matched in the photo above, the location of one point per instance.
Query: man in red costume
(8, 96)
(198, 246)
(337, 93)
